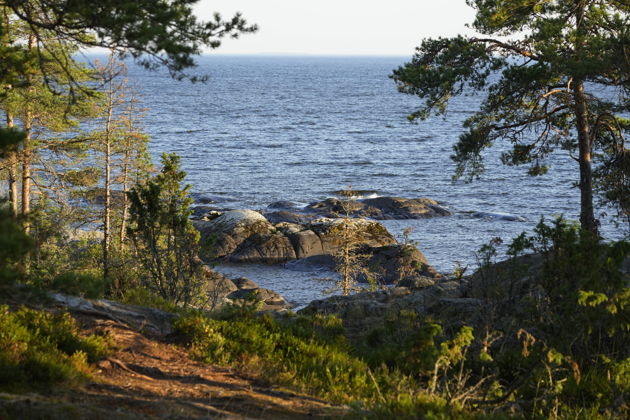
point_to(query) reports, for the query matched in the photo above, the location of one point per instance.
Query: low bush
(550, 341)
(144, 297)
(89, 284)
(312, 355)
(39, 349)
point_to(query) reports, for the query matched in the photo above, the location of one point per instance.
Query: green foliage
(39, 349)
(312, 354)
(556, 345)
(9, 139)
(163, 236)
(281, 353)
(154, 32)
(569, 312)
(554, 76)
(581, 270)
(86, 284)
(14, 244)
(144, 297)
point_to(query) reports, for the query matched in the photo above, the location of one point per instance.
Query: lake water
(264, 129)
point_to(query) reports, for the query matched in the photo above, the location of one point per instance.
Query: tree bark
(27, 152)
(125, 203)
(108, 155)
(13, 156)
(587, 216)
(27, 157)
(13, 175)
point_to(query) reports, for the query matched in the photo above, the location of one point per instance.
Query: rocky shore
(309, 238)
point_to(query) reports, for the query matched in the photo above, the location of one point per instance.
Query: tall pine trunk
(587, 216)
(27, 157)
(125, 203)
(27, 153)
(108, 153)
(13, 175)
(12, 158)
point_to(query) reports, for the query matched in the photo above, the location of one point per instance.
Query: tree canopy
(556, 74)
(155, 32)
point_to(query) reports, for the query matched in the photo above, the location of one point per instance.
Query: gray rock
(272, 248)
(245, 283)
(282, 216)
(223, 235)
(149, 320)
(366, 232)
(199, 212)
(266, 296)
(405, 208)
(217, 288)
(382, 208)
(306, 243)
(314, 263)
(498, 216)
(395, 263)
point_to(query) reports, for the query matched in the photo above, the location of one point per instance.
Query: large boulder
(364, 232)
(274, 248)
(222, 236)
(306, 243)
(381, 208)
(217, 287)
(268, 298)
(400, 263)
(284, 216)
(292, 241)
(221, 290)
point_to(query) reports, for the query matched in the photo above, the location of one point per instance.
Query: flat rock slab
(150, 320)
(381, 208)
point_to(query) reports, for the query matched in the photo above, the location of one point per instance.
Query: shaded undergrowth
(549, 344)
(39, 349)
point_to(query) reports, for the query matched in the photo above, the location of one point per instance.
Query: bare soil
(147, 377)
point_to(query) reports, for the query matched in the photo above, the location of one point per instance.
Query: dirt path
(157, 379)
(147, 377)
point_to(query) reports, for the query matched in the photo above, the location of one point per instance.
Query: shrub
(164, 238)
(89, 284)
(145, 297)
(311, 354)
(39, 349)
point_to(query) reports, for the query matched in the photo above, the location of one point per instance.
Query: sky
(339, 27)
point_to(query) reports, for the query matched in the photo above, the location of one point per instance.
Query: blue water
(298, 128)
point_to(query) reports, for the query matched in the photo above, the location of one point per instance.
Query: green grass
(311, 354)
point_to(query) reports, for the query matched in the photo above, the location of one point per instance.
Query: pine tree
(351, 262)
(164, 238)
(556, 74)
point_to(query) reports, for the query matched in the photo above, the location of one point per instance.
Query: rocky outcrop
(368, 310)
(222, 236)
(152, 321)
(267, 297)
(271, 248)
(400, 263)
(221, 290)
(284, 216)
(382, 208)
(245, 236)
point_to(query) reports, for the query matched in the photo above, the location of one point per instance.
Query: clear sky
(345, 27)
